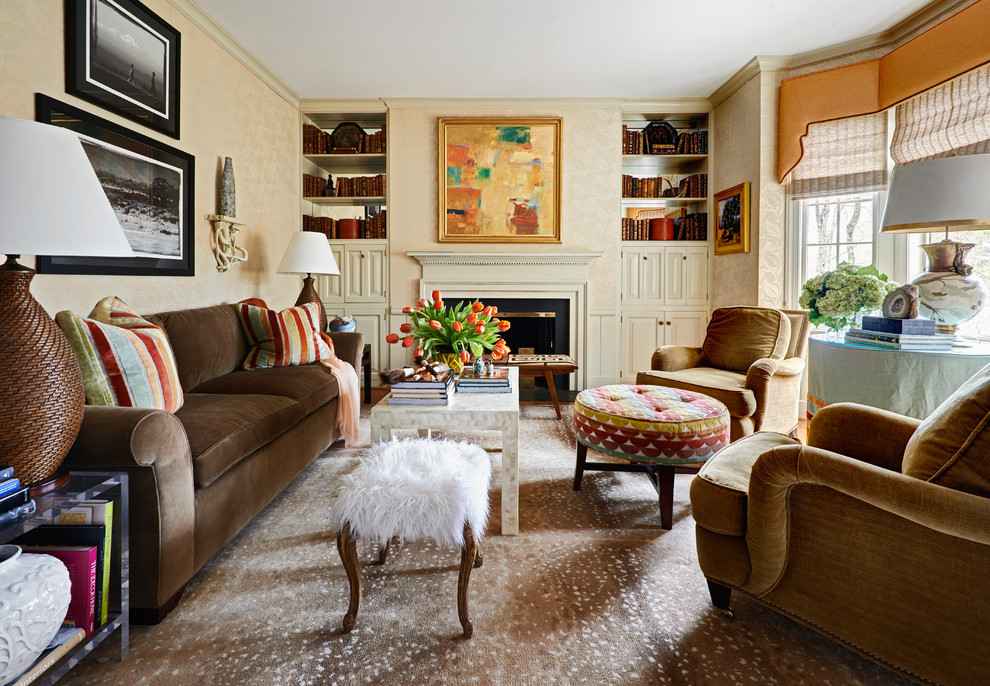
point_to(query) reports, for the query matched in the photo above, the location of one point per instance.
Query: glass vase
(451, 359)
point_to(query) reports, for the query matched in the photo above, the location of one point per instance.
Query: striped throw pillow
(126, 361)
(281, 339)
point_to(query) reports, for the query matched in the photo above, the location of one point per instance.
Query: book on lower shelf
(895, 341)
(82, 563)
(65, 639)
(97, 513)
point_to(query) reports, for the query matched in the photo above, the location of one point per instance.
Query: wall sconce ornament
(223, 238)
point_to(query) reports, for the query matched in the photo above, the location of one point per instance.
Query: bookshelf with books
(665, 274)
(98, 492)
(344, 177)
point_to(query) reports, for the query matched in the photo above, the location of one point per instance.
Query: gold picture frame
(499, 180)
(732, 220)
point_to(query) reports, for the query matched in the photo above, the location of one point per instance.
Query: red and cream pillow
(281, 339)
(126, 361)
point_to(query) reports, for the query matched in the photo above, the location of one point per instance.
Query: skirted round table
(655, 428)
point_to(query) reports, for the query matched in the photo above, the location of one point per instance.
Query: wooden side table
(546, 370)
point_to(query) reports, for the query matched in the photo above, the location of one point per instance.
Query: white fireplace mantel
(473, 274)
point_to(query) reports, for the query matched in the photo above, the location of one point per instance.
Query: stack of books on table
(899, 334)
(423, 391)
(496, 382)
(15, 500)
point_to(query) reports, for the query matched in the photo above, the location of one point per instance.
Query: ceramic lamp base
(309, 295)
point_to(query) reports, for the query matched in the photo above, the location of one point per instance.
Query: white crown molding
(211, 28)
(502, 103)
(672, 105)
(320, 105)
(755, 66)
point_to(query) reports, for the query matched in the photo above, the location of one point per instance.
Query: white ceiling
(638, 49)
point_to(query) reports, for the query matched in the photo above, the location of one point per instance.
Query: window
(834, 229)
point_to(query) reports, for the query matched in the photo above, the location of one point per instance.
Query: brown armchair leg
(721, 595)
(469, 554)
(347, 549)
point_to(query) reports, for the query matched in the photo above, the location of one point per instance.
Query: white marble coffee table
(468, 412)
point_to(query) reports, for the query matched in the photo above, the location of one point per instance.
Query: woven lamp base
(309, 295)
(42, 395)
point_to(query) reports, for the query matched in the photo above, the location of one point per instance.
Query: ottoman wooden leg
(347, 549)
(469, 553)
(582, 456)
(383, 552)
(666, 474)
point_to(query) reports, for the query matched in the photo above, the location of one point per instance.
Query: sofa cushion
(224, 429)
(727, 387)
(207, 342)
(739, 336)
(126, 361)
(312, 386)
(719, 493)
(952, 446)
(282, 338)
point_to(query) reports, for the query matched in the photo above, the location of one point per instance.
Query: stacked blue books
(15, 500)
(495, 382)
(899, 334)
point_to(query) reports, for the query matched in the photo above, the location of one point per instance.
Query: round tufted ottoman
(655, 428)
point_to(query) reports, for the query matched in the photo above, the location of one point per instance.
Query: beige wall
(590, 188)
(225, 111)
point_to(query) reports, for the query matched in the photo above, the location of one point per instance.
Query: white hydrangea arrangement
(834, 298)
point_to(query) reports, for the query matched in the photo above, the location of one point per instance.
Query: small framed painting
(121, 56)
(499, 180)
(150, 187)
(732, 220)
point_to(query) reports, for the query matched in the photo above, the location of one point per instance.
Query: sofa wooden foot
(721, 595)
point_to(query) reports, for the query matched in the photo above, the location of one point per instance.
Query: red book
(81, 561)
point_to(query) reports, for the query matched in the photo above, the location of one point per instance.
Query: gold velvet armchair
(752, 360)
(875, 534)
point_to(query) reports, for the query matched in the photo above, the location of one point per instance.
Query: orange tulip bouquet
(467, 328)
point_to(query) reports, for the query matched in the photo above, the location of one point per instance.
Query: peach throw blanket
(349, 400)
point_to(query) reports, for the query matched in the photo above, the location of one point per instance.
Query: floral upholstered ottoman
(655, 428)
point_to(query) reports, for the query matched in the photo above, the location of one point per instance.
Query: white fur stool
(414, 489)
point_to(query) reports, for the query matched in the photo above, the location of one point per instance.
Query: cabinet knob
(683, 257)
(660, 323)
(668, 323)
(644, 258)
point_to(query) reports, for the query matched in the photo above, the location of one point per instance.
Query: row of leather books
(692, 186)
(344, 187)
(368, 227)
(316, 141)
(692, 227)
(688, 143)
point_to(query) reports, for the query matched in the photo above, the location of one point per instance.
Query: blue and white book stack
(15, 500)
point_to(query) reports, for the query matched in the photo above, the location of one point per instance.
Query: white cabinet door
(684, 328)
(365, 273)
(686, 276)
(640, 337)
(633, 268)
(372, 322)
(330, 287)
(653, 276)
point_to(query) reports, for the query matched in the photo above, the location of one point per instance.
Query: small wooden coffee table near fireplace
(543, 366)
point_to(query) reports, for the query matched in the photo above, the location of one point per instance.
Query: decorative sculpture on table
(223, 238)
(902, 303)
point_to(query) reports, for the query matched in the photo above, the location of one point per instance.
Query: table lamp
(943, 194)
(51, 203)
(309, 253)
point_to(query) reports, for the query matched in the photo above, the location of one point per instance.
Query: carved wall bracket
(223, 241)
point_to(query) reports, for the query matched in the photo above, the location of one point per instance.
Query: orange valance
(943, 52)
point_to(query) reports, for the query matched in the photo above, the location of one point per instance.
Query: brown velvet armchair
(876, 534)
(752, 360)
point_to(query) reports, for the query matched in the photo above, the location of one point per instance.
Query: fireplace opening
(538, 326)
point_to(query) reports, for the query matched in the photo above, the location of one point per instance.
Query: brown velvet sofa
(875, 534)
(199, 476)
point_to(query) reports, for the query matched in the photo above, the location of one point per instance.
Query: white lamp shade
(948, 193)
(308, 253)
(51, 202)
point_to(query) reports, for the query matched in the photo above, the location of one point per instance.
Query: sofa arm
(152, 447)
(778, 471)
(776, 385)
(865, 433)
(349, 347)
(673, 358)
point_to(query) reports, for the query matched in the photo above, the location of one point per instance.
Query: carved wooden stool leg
(383, 552)
(347, 549)
(468, 554)
(478, 559)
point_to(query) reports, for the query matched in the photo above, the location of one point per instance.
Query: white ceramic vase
(34, 597)
(948, 291)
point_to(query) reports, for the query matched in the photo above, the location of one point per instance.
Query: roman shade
(841, 157)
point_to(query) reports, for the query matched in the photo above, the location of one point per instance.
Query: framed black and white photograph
(121, 56)
(150, 187)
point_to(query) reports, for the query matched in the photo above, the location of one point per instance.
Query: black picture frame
(121, 56)
(151, 187)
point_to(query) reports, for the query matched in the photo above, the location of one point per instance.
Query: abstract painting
(499, 180)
